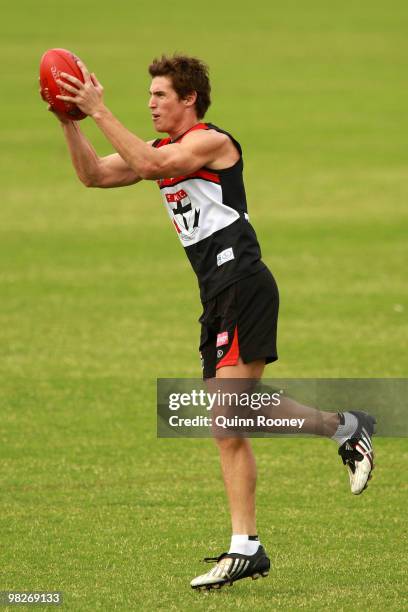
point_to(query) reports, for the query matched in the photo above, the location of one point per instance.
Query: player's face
(166, 107)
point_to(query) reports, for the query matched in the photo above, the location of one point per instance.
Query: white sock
(244, 544)
(347, 427)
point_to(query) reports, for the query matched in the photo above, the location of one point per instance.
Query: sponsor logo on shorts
(225, 256)
(222, 338)
(220, 353)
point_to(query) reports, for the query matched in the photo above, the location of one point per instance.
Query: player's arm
(198, 149)
(93, 170)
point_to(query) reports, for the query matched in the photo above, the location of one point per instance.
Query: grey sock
(347, 427)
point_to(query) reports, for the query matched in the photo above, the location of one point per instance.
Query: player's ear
(190, 98)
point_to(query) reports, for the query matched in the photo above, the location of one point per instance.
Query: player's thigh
(252, 370)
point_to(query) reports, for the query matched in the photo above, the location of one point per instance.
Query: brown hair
(187, 74)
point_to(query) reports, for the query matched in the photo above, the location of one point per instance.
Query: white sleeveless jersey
(209, 212)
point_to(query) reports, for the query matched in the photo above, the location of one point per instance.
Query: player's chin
(159, 125)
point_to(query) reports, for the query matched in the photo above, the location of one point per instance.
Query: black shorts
(241, 321)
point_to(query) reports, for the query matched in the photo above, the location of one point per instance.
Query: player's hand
(88, 96)
(51, 110)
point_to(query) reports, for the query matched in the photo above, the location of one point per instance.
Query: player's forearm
(84, 158)
(140, 156)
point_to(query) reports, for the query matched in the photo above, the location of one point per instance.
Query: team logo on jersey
(224, 256)
(185, 217)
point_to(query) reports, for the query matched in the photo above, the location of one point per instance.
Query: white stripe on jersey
(196, 209)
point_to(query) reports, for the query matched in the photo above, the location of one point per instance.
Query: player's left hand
(88, 96)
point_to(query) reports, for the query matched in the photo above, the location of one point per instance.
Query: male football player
(198, 168)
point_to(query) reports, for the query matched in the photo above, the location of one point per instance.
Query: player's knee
(226, 444)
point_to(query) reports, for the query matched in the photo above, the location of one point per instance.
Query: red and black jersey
(209, 211)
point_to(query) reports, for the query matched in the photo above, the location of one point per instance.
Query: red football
(53, 62)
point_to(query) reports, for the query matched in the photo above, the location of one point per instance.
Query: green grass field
(97, 300)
